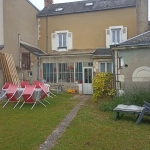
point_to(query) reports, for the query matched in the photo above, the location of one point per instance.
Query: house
(75, 35)
(19, 36)
(132, 63)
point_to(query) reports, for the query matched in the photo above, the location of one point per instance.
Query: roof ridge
(135, 37)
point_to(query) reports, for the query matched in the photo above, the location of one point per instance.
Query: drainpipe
(20, 57)
(38, 67)
(46, 34)
(114, 71)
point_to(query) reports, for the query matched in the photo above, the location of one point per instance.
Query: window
(78, 72)
(59, 9)
(61, 40)
(89, 4)
(25, 60)
(50, 72)
(115, 35)
(106, 67)
(66, 72)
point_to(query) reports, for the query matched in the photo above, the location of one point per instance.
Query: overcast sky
(40, 3)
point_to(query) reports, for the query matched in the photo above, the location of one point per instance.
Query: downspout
(20, 57)
(117, 72)
(46, 34)
(38, 66)
(114, 71)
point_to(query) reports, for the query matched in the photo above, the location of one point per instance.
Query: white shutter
(54, 41)
(124, 34)
(69, 41)
(108, 38)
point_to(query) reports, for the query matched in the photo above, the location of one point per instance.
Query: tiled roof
(140, 39)
(79, 6)
(102, 52)
(72, 52)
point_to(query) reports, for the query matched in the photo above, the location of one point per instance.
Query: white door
(87, 80)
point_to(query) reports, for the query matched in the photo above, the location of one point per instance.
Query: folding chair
(6, 85)
(36, 83)
(24, 83)
(44, 92)
(10, 94)
(28, 96)
(4, 89)
(48, 87)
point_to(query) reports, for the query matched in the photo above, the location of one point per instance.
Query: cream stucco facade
(1, 24)
(88, 29)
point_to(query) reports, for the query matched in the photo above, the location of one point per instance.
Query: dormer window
(59, 9)
(89, 4)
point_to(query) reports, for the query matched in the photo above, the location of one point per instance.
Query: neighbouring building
(132, 63)
(19, 36)
(76, 37)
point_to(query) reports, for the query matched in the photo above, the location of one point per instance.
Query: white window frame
(115, 28)
(61, 32)
(105, 66)
(123, 35)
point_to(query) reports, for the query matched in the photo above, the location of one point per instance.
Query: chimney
(142, 16)
(48, 2)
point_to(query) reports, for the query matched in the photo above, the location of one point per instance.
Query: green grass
(26, 129)
(93, 129)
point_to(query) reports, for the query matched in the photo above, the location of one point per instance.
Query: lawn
(93, 129)
(26, 129)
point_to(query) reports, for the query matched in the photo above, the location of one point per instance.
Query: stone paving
(60, 129)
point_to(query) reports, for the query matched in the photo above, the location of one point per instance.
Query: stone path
(60, 129)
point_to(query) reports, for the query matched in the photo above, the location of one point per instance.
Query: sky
(40, 4)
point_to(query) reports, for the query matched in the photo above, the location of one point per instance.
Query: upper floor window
(115, 35)
(61, 40)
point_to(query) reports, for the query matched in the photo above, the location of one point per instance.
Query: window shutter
(54, 41)
(69, 42)
(124, 34)
(108, 38)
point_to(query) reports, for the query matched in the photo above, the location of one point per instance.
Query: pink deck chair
(44, 92)
(24, 83)
(36, 83)
(10, 94)
(4, 89)
(28, 96)
(6, 85)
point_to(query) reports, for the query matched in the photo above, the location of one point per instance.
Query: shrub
(102, 86)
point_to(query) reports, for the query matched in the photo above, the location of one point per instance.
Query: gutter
(125, 47)
(64, 55)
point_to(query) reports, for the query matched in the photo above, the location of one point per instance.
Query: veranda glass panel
(49, 72)
(78, 73)
(102, 67)
(109, 67)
